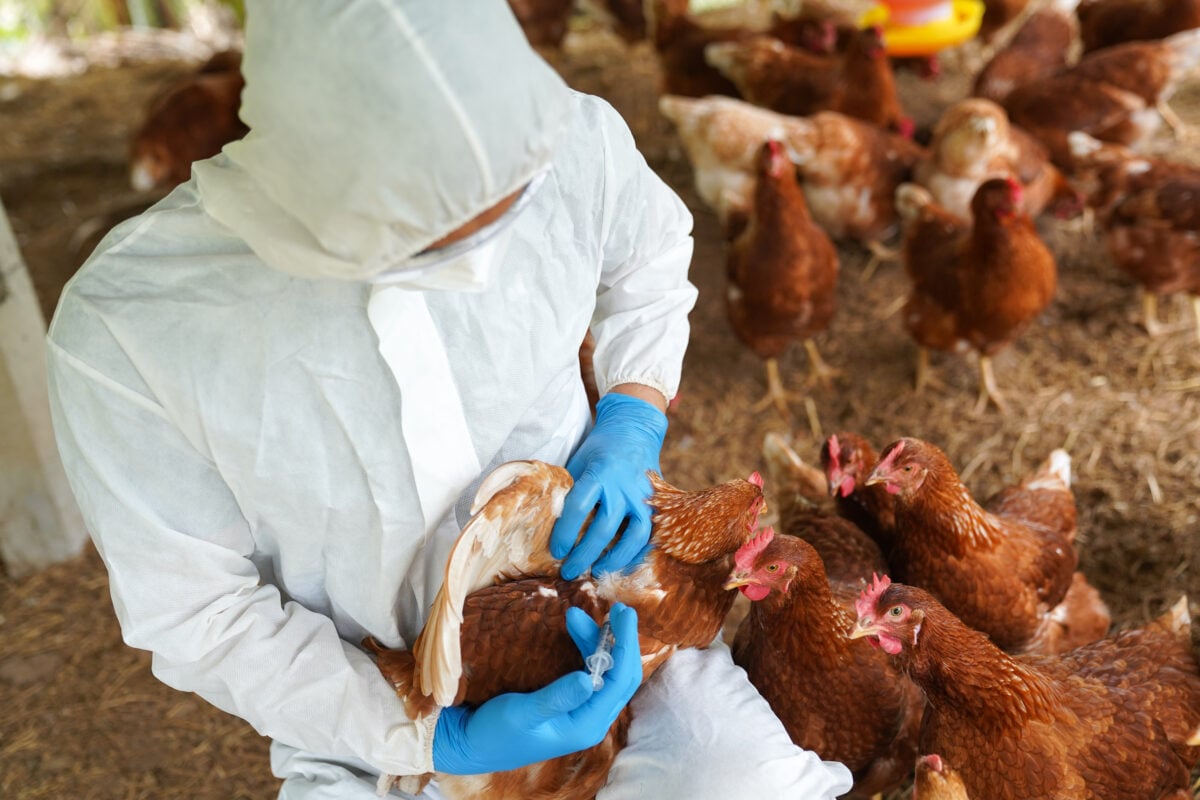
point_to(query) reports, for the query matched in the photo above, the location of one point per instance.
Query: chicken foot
(988, 391)
(879, 254)
(1150, 314)
(818, 370)
(1181, 129)
(1196, 314)
(776, 394)
(925, 376)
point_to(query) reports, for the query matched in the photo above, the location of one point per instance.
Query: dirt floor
(84, 718)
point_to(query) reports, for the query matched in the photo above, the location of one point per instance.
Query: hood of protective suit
(377, 127)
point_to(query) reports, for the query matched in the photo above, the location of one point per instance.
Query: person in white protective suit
(276, 391)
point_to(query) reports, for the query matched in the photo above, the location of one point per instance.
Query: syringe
(601, 661)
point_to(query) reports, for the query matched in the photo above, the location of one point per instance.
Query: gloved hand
(512, 730)
(609, 469)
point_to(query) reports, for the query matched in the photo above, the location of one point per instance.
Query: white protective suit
(274, 417)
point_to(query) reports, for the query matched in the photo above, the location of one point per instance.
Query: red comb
(890, 460)
(756, 479)
(743, 559)
(865, 604)
(835, 448)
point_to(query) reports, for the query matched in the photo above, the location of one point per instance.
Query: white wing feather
(507, 536)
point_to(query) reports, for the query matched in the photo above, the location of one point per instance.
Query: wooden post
(39, 522)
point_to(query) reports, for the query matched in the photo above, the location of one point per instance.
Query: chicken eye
(908, 467)
(772, 567)
(895, 611)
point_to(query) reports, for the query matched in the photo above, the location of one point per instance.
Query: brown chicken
(847, 459)
(1118, 94)
(857, 82)
(997, 14)
(1113, 720)
(474, 647)
(1103, 23)
(679, 43)
(782, 274)
(627, 18)
(845, 702)
(973, 285)
(937, 780)
(1038, 49)
(973, 141)
(544, 21)
(850, 169)
(189, 121)
(1006, 568)
(1150, 219)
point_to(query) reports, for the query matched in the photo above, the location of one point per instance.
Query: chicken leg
(818, 370)
(1150, 313)
(1196, 314)
(987, 388)
(925, 377)
(1181, 129)
(879, 254)
(776, 394)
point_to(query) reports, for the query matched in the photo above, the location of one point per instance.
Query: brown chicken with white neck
(974, 141)
(849, 169)
(1007, 569)
(1112, 720)
(502, 599)
(782, 275)
(1118, 94)
(973, 285)
(845, 702)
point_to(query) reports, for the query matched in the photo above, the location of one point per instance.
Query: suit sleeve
(640, 322)
(184, 585)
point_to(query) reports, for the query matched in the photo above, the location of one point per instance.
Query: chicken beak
(864, 627)
(737, 580)
(875, 477)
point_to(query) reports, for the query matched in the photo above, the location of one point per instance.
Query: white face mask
(466, 265)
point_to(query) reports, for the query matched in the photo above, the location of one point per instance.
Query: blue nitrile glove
(609, 469)
(512, 730)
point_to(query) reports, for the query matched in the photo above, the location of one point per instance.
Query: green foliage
(20, 19)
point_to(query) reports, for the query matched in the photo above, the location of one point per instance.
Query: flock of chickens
(989, 673)
(988, 670)
(1038, 134)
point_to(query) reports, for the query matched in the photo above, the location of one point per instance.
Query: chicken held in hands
(782, 274)
(502, 598)
(843, 701)
(1007, 568)
(1112, 720)
(973, 285)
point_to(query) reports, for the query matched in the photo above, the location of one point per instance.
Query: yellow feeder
(922, 28)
